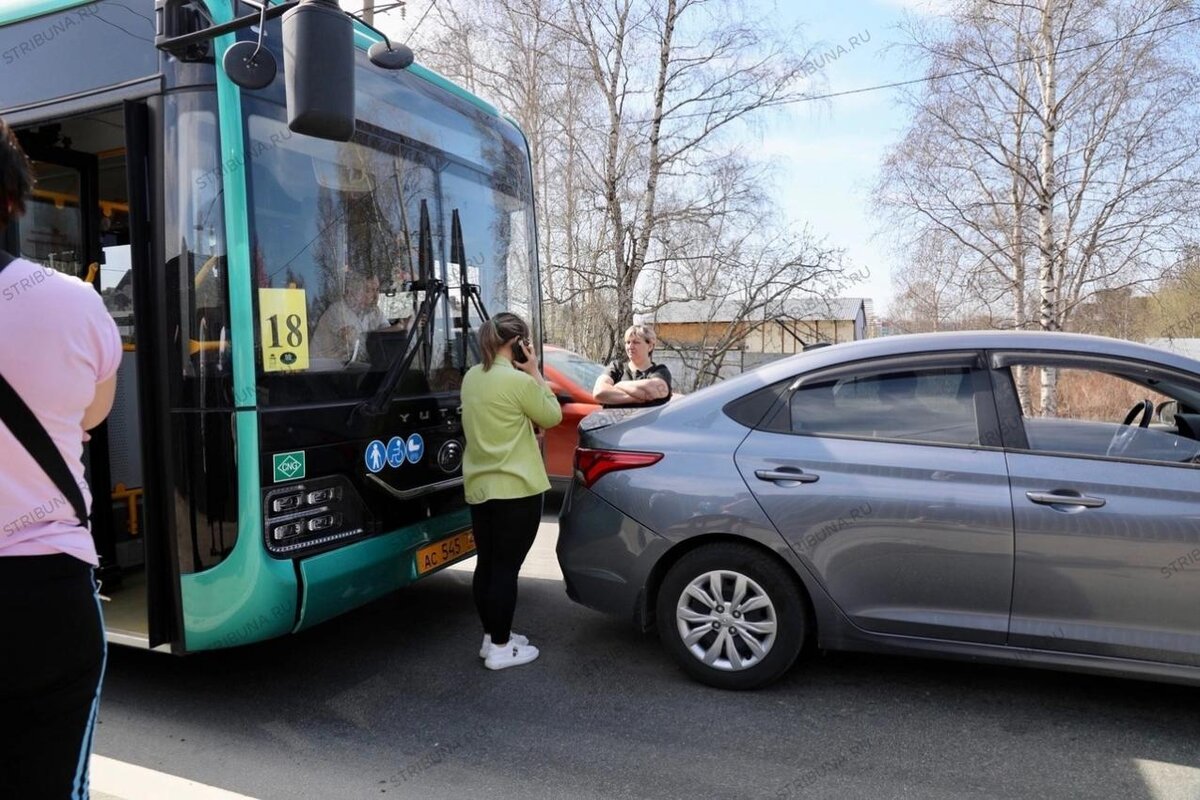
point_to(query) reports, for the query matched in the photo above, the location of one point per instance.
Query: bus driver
(342, 330)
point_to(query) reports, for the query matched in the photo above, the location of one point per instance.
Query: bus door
(61, 232)
(88, 217)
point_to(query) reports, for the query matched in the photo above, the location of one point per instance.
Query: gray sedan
(1020, 497)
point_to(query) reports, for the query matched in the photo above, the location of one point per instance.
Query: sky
(826, 153)
(829, 151)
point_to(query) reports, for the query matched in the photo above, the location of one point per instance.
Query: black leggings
(504, 532)
(53, 643)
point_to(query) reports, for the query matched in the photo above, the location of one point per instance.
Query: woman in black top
(638, 381)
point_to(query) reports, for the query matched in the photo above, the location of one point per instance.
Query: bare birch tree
(1055, 132)
(736, 276)
(675, 77)
(933, 293)
(634, 110)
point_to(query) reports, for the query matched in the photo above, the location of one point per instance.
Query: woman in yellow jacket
(504, 476)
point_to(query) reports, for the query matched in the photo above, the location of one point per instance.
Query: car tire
(732, 663)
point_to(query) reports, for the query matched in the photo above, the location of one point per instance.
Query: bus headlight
(303, 517)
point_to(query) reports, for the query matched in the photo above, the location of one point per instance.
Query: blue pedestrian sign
(375, 456)
(416, 448)
(395, 452)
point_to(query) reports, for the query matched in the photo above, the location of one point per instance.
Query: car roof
(916, 343)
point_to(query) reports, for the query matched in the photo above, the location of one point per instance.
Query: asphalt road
(393, 701)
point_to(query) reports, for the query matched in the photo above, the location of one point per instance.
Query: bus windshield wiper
(470, 292)
(422, 328)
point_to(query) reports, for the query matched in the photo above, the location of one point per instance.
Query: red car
(571, 377)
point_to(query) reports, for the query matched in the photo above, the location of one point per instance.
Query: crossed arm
(629, 392)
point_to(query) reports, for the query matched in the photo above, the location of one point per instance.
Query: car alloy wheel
(732, 615)
(726, 620)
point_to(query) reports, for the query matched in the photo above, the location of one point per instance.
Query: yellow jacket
(502, 459)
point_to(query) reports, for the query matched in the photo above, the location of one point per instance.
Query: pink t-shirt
(57, 341)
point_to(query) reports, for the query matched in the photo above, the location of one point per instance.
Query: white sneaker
(513, 638)
(509, 655)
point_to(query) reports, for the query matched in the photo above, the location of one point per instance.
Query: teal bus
(298, 301)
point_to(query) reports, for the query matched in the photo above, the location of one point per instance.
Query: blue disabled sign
(395, 452)
(375, 456)
(416, 448)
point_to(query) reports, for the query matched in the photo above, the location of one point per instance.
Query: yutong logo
(425, 416)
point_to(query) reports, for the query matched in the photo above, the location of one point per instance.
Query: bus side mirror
(318, 62)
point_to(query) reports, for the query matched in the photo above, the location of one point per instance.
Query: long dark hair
(16, 176)
(501, 328)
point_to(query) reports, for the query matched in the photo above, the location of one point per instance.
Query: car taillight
(591, 465)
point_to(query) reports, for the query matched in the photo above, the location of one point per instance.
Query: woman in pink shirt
(57, 378)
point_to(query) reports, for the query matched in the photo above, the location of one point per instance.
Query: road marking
(116, 780)
(1165, 781)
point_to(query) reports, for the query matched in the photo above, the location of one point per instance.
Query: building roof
(801, 309)
(1184, 347)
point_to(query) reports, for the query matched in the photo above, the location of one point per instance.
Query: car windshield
(575, 367)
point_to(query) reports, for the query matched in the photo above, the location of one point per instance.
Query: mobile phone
(519, 356)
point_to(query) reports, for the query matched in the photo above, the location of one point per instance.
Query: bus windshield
(340, 229)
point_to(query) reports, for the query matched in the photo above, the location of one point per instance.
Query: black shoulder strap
(33, 436)
(30, 433)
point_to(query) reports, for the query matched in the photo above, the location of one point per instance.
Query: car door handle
(1057, 499)
(786, 474)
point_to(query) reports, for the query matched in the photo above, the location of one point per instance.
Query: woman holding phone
(503, 398)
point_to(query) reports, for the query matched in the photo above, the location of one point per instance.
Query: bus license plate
(438, 554)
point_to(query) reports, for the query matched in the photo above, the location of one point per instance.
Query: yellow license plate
(438, 554)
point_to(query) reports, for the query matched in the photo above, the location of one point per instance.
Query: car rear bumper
(606, 557)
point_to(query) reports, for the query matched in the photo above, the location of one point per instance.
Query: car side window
(1097, 413)
(752, 410)
(926, 405)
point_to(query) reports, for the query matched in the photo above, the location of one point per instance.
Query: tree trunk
(641, 244)
(1047, 272)
(1021, 375)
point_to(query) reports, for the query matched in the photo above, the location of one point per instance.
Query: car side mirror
(1166, 412)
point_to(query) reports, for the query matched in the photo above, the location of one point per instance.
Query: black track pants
(52, 656)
